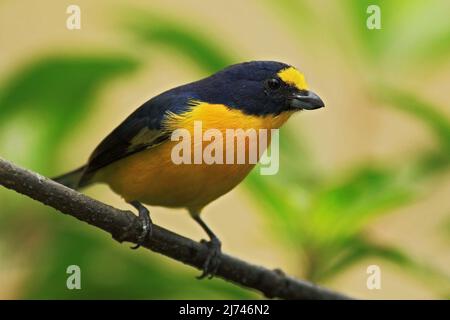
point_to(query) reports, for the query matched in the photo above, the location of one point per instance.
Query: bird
(135, 161)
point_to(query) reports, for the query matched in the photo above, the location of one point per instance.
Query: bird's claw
(213, 259)
(147, 230)
(146, 223)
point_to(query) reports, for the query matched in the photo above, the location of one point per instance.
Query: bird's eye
(273, 84)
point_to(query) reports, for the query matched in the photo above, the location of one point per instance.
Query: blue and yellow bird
(135, 158)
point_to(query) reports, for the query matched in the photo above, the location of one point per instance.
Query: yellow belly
(151, 177)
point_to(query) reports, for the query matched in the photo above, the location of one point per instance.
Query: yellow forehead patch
(293, 77)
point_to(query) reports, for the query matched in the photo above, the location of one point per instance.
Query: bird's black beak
(305, 99)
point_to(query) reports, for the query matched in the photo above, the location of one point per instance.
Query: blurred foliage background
(364, 181)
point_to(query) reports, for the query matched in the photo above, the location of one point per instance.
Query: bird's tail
(71, 179)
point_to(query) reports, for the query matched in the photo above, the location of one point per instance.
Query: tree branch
(124, 226)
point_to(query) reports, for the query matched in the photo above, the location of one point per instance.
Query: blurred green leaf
(324, 222)
(274, 203)
(341, 210)
(53, 94)
(183, 38)
(300, 170)
(112, 271)
(355, 250)
(436, 50)
(415, 37)
(396, 34)
(337, 208)
(423, 111)
(428, 114)
(360, 248)
(298, 174)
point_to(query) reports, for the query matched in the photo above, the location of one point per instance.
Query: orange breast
(152, 178)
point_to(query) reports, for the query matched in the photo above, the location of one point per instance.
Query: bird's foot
(213, 258)
(146, 232)
(146, 222)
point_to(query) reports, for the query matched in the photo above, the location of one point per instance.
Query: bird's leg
(144, 216)
(213, 258)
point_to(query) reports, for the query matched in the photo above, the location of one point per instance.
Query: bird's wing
(143, 129)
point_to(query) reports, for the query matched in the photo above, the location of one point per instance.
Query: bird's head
(260, 88)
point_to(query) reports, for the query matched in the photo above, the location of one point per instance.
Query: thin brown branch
(124, 226)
